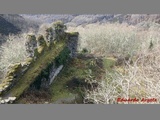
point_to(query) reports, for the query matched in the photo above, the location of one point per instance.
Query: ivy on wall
(63, 56)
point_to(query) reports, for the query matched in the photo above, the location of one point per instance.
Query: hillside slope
(94, 18)
(14, 24)
(7, 27)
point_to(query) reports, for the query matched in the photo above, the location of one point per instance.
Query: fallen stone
(2, 101)
(12, 98)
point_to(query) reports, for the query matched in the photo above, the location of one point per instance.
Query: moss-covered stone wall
(45, 55)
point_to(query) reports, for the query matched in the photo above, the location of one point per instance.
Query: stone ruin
(35, 45)
(31, 44)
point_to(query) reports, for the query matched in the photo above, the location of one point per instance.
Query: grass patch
(77, 68)
(109, 63)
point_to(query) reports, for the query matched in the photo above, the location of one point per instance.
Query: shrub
(114, 39)
(62, 57)
(84, 50)
(12, 51)
(139, 80)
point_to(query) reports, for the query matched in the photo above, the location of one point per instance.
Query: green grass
(76, 68)
(35, 69)
(109, 63)
(63, 88)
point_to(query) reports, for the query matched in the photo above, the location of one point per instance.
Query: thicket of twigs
(141, 79)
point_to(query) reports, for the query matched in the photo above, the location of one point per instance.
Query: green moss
(29, 61)
(63, 85)
(8, 79)
(41, 41)
(151, 44)
(59, 25)
(36, 53)
(31, 37)
(14, 69)
(59, 28)
(6, 83)
(35, 69)
(2, 85)
(44, 74)
(50, 29)
(62, 57)
(109, 63)
(73, 34)
(40, 49)
(31, 40)
(41, 45)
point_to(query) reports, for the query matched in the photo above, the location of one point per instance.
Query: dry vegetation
(117, 39)
(12, 51)
(141, 79)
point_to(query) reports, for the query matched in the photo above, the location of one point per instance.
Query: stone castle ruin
(47, 54)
